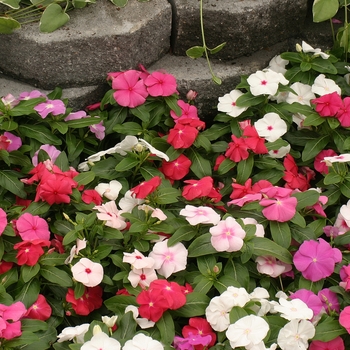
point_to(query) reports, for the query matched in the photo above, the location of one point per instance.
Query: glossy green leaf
(53, 18)
(324, 9)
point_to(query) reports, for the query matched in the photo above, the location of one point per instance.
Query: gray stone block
(98, 39)
(245, 25)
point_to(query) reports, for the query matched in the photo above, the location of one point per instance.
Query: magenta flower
(160, 84)
(280, 209)
(344, 318)
(52, 151)
(10, 324)
(15, 142)
(3, 221)
(55, 107)
(191, 341)
(32, 227)
(329, 300)
(187, 111)
(130, 90)
(316, 259)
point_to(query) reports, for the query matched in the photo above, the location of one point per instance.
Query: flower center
(87, 270)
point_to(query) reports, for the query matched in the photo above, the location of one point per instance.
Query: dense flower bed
(137, 225)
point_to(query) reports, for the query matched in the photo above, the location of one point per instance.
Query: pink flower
(160, 84)
(329, 300)
(130, 90)
(75, 116)
(3, 221)
(334, 344)
(14, 141)
(345, 276)
(269, 265)
(55, 107)
(316, 259)
(227, 235)
(10, 324)
(328, 105)
(281, 209)
(200, 215)
(89, 273)
(343, 113)
(110, 213)
(52, 151)
(40, 310)
(344, 318)
(169, 260)
(98, 130)
(319, 164)
(188, 111)
(29, 95)
(32, 227)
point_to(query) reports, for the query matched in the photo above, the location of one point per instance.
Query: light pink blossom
(55, 107)
(52, 151)
(200, 215)
(137, 260)
(87, 272)
(109, 212)
(142, 277)
(269, 265)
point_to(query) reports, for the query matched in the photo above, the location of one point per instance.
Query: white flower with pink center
(268, 265)
(169, 260)
(227, 235)
(265, 82)
(259, 231)
(271, 127)
(200, 215)
(137, 260)
(142, 277)
(109, 212)
(342, 158)
(279, 153)
(87, 272)
(227, 104)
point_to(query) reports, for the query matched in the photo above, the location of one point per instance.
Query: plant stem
(346, 30)
(332, 29)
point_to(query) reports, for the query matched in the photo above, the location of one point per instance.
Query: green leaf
(183, 233)
(236, 313)
(323, 66)
(53, 18)
(53, 259)
(314, 147)
(328, 329)
(82, 123)
(195, 52)
(248, 100)
(126, 164)
(292, 57)
(56, 276)
(31, 325)
(7, 25)
(166, 328)
(345, 189)
(306, 199)
(324, 9)
(9, 180)
(238, 272)
(280, 233)
(39, 133)
(28, 272)
(126, 327)
(9, 125)
(244, 169)
(119, 3)
(204, 285)
(85, 178)
(309, 285)
(25, 338)
(167, 195)
(196, 303)
(171, 101)
(118, 303)
(206, 264)
(332, 178)
(266, 247)
(201, 246)
(226, 166)
(200, 166)
(37, 208)
(128, 128)
(217, 48)
(28, 293)
(14, 4)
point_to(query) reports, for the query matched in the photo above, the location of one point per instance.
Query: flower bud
(298, 48)
(191, 95)
(97, 329)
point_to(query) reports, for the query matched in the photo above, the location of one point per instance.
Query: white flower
(138, 260)
(153, 150)
(109, 321)
(142, 342)
(87, 272)
(298, 119)
(101, 341)
(227, 104)
(73, 333)
(142, 277)
(129, 202)
(80, 244)
(259, 293)
(303, 94)
(259, 231)
(323, 86)
(127, 145)
(279, 153)
(293, 309)
(317, 52)
(295, 335)
(218, 313)
(247, 331)
(342, 158)
(110, 190)
(200, 215)
(236, 296)
(142, 322)
(156, 212)
(345, 213)
(261, 346)
(280, 97)
(271, 127)
(278, 64)
(97, 156)
(84, 166)
(265, 82)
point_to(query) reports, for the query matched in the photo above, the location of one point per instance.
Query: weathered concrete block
(97, 40)
(245, 25)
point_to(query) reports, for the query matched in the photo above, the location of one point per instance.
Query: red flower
(237, 149)
(294, 180)
(254, 141)
(197, 188)
(147, 187)
(199, 326)
(334, 344)
(171, 291)
(320, 166)
(40, 310)
(218, 161)
(4, 142)
(176, 169)
(187, 289)
(29, 252)
(5, 266)
(123, 291)
(240, 191)
(90, 301)
(91, 196)
(57, 244)
(182, 136)
(328, 105)
(152, 304)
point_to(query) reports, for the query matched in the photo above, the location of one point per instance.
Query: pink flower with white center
(109, 212)
(265, 82)
(87, 272)
(324, 86)
(55, 107)
(169, 260)
(3, 220)
(269, 265)
(271, 127)
(227, 235)
(52, 151)
(303, 94)
(137, 260)
(109, 190)
(14, 141)
(142, 277)
(200, 215)
(32, 227)
(280, 153)
(227, 104)
(29, 95)
(260, 231)
(98, 130)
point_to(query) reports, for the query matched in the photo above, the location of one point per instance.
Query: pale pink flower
(80, 244)
(271, 127)
(109, 212)
(269, 265)
(75, 116)
(32, 227)
(55, 107)
(227, 104)
(14, 141)
(130, 89)
(52, 151)
(142, 277)
(99, 130)
(155, 212)
(251, 197)
(10, 101)
(169, 260)
(109, 190)
(260, 231)
(137, 260)
(87, 272)
(29, 95)
(280, 153)
(200, 215)
(342, 158)
(227, 235)
(265, 82)
(3, 220)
